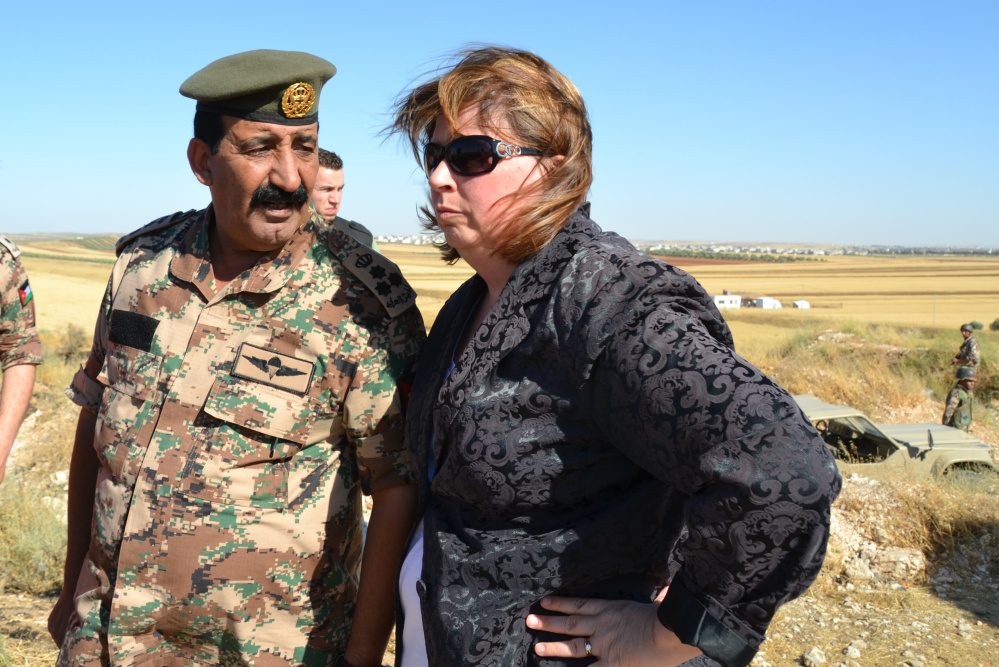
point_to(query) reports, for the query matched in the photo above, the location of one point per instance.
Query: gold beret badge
(297, 100)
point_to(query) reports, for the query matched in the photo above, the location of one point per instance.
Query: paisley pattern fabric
(600, 437)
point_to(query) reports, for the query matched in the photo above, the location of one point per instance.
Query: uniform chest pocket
(249, 434)
(127, 416)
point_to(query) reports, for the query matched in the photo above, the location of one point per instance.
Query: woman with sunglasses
(603, 480)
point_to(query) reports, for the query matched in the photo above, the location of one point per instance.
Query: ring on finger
(589, 647)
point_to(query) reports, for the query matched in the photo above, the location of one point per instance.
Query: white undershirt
(414, 644)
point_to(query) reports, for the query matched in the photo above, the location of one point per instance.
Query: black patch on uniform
(345, 366)
(133, 329)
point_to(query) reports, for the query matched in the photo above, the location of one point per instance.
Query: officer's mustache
(270, 195)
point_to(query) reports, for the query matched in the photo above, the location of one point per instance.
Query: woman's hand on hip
(616, 632)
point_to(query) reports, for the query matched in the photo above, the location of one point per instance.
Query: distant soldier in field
(958, 410)
(328, 194)
(968, 356)
(20, 348)
(245, 386)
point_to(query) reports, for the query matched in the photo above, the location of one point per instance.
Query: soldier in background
(969, 355)
(20, 348)
(957, 412)
(328, 194)
(244, 388)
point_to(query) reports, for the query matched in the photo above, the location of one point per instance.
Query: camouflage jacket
(969, 352)
(236, 430)
(957, 413)
(19, 343)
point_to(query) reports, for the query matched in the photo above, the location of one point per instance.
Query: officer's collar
(193, 260)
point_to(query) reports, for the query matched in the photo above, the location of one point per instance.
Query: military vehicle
(857, 443)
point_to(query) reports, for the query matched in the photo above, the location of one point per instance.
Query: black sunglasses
(472, 155)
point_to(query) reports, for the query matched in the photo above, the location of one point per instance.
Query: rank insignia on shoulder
(273, 368)
(10, 245)
(155, 225)
(383, 278)
(24, 291)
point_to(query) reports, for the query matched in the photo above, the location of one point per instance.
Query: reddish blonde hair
(545, 111)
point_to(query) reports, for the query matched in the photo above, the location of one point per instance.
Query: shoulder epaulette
(378, 273)
(155, 225)
(353, 229)
(9, 245)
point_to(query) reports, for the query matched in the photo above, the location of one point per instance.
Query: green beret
(269, 86)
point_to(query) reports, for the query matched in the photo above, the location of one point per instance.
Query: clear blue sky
(830, 122)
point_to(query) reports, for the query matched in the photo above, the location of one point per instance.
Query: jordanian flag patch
(25, 293)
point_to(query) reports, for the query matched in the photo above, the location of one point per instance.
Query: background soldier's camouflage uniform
(970, 353)
(236, 431)
(957, 412)
(19, 343)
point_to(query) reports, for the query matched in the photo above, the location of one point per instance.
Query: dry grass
(937, 517)
(32, 497)
(955, 527)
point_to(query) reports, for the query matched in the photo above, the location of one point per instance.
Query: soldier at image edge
(20, 348)
(328, 195)
(957, 412)
(245, 386)
(969, 354)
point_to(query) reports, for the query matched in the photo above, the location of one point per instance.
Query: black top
(600, 437)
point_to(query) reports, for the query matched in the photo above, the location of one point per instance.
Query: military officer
(957, 412)
(969, 354)
(20, 348)
(244, 388)
(328, 194)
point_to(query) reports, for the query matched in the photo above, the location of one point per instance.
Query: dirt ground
(960, 630)
(23, 630)
(897, 626)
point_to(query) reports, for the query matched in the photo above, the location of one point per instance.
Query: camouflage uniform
(958, 410)
(236, 431)
(19, 343)
(970, 353)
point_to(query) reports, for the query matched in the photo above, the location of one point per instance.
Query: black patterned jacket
(600, 437)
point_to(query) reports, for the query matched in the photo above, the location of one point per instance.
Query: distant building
(727, 301)
(767, 303)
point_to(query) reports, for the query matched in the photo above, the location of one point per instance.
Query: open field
(936, 291)
(66, 291)
(919, 291)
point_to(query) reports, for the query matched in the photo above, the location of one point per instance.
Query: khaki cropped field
(942, 291)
